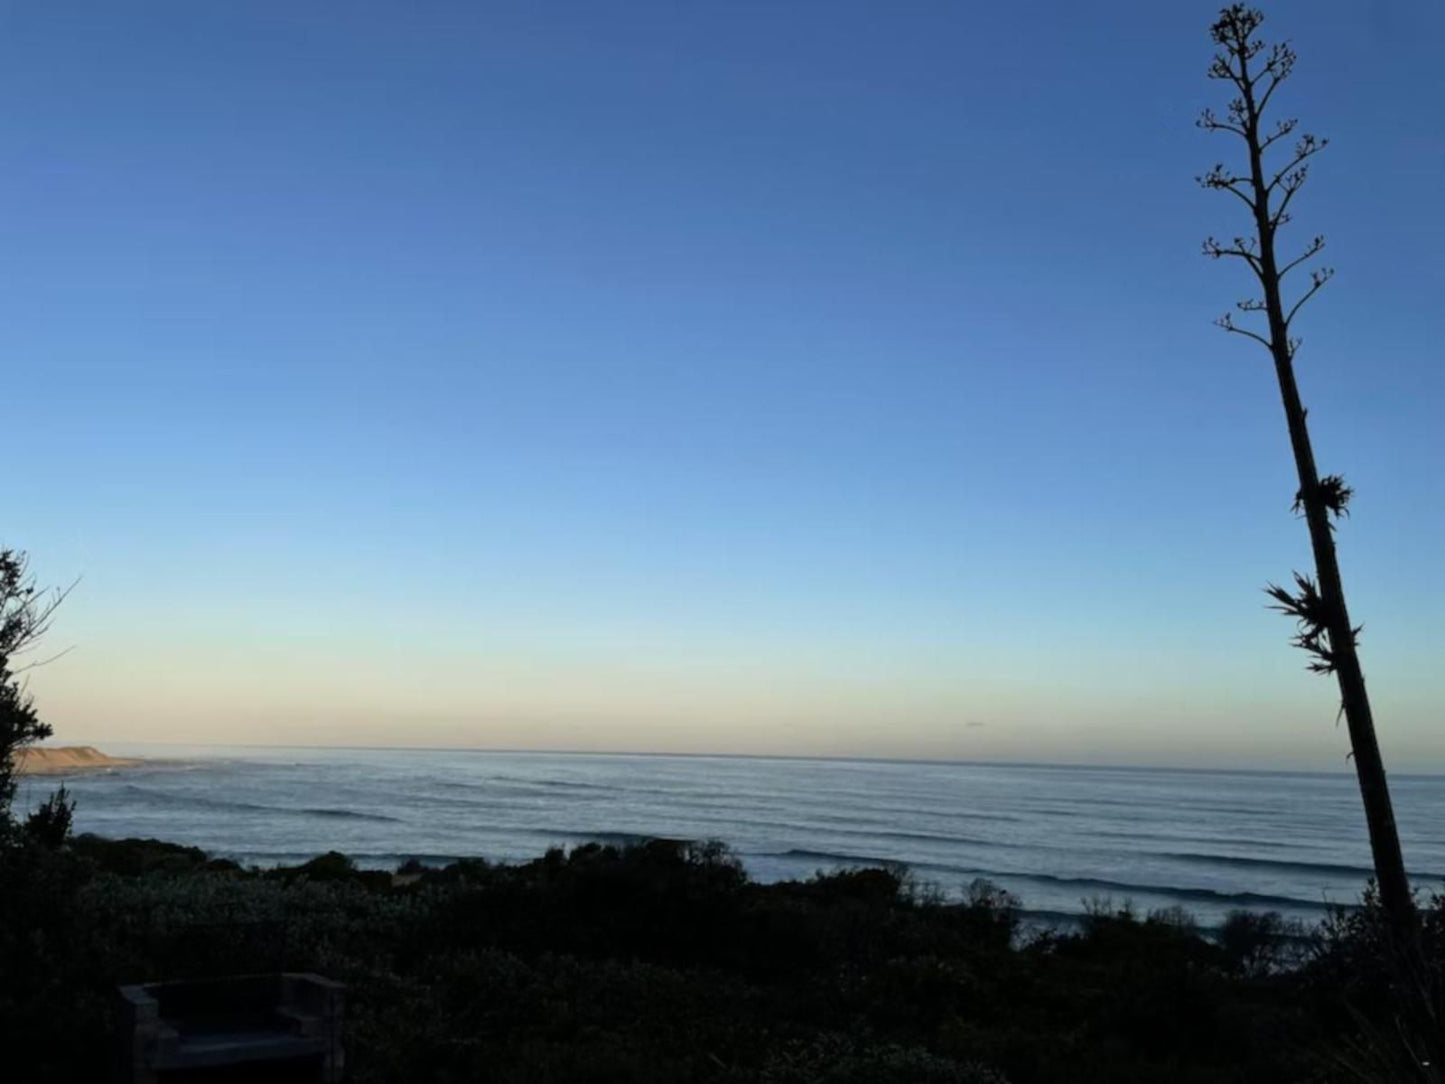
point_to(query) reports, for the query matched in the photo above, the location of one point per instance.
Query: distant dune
(39, 760)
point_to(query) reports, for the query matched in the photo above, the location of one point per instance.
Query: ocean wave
(785, 820)
(932, 837)
(1182, 892)
(199, 801)
(346, 814)
(860, 806)
(555, 784)
(1084, 884)
(195, 801)
(519, 784)
(834, 856)
(1285, 865)
(1157, 837)
(805, 813)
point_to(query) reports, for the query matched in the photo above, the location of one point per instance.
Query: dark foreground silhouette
(663, 962)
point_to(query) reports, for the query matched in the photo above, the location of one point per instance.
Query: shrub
(49, 825)
(836, 1059)
(639, 964)
(990, 912)
(137, 857)
(1253, 942)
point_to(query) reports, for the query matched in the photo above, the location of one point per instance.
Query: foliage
(49, 825)
(664, 962)
(837, 1059)
(1259, 943)
(1312, 622)
(1393, 1021)
(25, 614)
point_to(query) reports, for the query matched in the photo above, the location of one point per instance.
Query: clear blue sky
(771, 377)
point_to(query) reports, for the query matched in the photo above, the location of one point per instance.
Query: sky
(768, 377)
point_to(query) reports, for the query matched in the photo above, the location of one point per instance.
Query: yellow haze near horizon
(704, 704)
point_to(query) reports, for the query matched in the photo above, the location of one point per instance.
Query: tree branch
(1278, 66)
(43, 662)
(25, 611)
(1280, 217)
(1243, 248)
(1307, 146)
(1314, 247)
(1221, 67)
(1229, 325)
(1210, 121)
(1317, 279)
(1220, 179)
(1281, 130)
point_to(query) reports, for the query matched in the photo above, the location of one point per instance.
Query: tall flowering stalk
(1266, 184)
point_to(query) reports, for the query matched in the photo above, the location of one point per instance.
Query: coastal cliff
(42, 760)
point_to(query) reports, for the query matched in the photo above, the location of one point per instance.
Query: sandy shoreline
(43, 760)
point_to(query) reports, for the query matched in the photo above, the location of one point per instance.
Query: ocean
(1057, 837)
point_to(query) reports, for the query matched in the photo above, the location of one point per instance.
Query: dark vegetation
(25, 614)
(663, 962)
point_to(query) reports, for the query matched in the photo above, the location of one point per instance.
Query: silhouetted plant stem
(1319, 606)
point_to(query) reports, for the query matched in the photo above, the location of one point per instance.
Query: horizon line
(837, 757)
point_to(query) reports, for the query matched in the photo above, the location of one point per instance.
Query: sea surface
(1057, 837)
